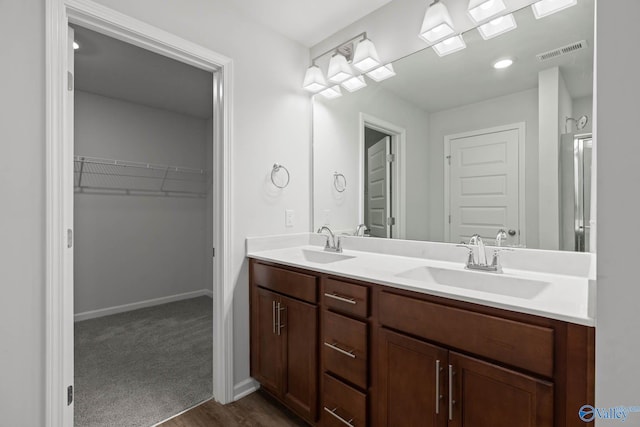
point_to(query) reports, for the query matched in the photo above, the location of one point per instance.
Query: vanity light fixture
(480, 10)
(498, 26)
(332, 92)
(339, 68)
(437, 23)
(544, 8)
(366, 57)
(382, 73)
(76, 46)
(503, 63)
(354, 83)
(313, 79)
(450, 45)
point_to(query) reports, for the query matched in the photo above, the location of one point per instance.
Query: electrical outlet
(327, 216)
(288, 217)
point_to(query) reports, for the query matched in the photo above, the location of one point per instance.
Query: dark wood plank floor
(256, 410)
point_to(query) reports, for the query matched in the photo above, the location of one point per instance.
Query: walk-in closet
(143, 214)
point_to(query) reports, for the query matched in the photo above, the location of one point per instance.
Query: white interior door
(378, 200)
(484, 186)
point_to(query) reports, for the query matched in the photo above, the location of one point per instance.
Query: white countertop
(566, 297)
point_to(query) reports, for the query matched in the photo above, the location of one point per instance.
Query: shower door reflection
(575, 190)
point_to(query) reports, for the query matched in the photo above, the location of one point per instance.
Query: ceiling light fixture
(349, 59)
(313, 79)
(450, 45)
(480, 10)
(354, 84)
(332, 92)
(544, 8)
(503, 63)
(339, 69)
(437, 23)
(76, 46)
(382, 73)
(366, 56)
(498, 26)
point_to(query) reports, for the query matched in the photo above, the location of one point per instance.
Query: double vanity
(400, 333)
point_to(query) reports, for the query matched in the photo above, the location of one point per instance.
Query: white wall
(132, 248)
(504, 110)
(336, 148)
(22, 209)
(271, 123)
(616, 100)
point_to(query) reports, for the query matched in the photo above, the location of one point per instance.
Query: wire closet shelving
(124, 177)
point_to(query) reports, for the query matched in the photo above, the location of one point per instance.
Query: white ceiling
(465, 77)
(109, 67)
(308, 21)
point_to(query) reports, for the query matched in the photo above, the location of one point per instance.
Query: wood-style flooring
(256, 410)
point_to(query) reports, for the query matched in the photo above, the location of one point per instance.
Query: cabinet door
(266, 354)
(486, 395)
(412, 387)
(299, 329)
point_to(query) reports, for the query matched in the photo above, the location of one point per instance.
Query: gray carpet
(138, 368)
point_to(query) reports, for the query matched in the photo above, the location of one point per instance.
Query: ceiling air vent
(564, 50)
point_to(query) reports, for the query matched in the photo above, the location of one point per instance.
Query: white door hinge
(69, 81)
(391, 158)
(69, 238)
(449, 160)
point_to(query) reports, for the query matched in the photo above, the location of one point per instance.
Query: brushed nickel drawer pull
(344, 421)
(273, 315)
(451, 401)
(279, 309)
(341, 298)
(437, 387)
(335, 347)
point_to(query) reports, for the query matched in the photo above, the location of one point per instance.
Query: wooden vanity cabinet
(361, 354)
(284, 337)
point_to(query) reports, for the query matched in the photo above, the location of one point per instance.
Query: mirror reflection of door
(377, 192)
(484, 190)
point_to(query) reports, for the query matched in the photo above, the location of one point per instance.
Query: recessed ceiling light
(503, 63)
(76, 46)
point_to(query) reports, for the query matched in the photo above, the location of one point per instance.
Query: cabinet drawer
(346, 297)
(296, 285)
(518, 344)
(342, 405)
(344, 347)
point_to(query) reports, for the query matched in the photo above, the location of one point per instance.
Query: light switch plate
(288, 217)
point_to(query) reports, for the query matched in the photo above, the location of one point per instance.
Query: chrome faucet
(501, 237)
(333, 247)
(360, 230)
(479, 261)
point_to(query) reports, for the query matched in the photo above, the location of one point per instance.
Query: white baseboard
(245, 388)
(141, 304)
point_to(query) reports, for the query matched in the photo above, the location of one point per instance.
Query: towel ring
(339, 182)
(275, 170)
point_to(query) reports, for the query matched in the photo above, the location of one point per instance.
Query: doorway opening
(65, 166)
(382, 178)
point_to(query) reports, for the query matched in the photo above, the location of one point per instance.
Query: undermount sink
(477, 281)
(321, 257)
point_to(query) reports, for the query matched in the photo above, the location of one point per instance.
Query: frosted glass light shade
(498, 26)
(547, 7)
(437, 24)
(450, 45)
(354, 83)
(382, 73)
(339, 69)
(480, 10)
(332, 92)
(314, 80)
(366, 57)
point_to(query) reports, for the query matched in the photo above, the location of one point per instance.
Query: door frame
(521, 128)
(59, 191)
(398, 187)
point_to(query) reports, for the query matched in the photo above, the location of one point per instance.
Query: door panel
(267, 357)
(487, 395)
(484, 186)
(377, 176)
(298, 323)
(408, 381)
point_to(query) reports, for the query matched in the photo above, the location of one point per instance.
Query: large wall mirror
(452, 146)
